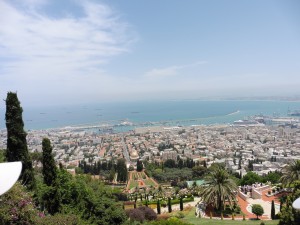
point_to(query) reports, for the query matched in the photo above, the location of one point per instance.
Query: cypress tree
(181, 203)
(158, 206)
(139, 166)
(169, 205)
(121, 169)
(52, 195)
(49, 167)
(17, 149)
(273, 210)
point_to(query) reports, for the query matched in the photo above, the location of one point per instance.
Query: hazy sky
(75, 51)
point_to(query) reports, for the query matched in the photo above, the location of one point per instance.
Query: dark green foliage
(121, 169)
(250, 178)
(181, 204)
(172, 174)
(169, 205)
(258, 210)
(139, 166)
(273, 210)
(51, 199)
(49, 167)
(273, 177)
(158, 206)
(199, 171)
(51, 195)
(16, 139)
(170, 163)
(89, 199)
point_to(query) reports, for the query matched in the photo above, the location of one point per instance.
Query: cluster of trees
(53, 196)
(251, 178)
(108, 170)
(165, 145)
(172, 170)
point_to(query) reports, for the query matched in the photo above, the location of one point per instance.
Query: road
(125, 151)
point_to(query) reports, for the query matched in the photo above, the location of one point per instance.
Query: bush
(16, 207)
(258, 210)
(140, 214)
(135, 215)
(179, 215)
(149, 213)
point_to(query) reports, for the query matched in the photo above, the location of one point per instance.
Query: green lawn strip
(134, 176)
(149, 182)
(191, 218)
(140, 175)
(133, 184)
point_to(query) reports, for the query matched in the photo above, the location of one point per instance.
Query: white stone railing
(242, 195)
(256, 194)
(260, 189)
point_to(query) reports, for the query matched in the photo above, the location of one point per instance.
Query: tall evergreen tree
(169, 205)
(121, 169)
(139, 166)
(51, 195)
(17, 149)
(49, 167)
(181, 203)
(158, 206)
(273, 210)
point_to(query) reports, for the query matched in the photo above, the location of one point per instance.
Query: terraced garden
(139, 179)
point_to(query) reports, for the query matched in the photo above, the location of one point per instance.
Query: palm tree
(219, 188)
(291, 173)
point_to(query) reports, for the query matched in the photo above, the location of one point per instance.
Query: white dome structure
(9, 174)
(296, 204)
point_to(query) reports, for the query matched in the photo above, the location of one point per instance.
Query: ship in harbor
(294, 113)
(247, 123)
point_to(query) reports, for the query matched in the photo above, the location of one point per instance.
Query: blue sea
(168, 113)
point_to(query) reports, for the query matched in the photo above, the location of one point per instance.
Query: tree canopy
(258, 210)
(17, 149)
(220, 188)
(291, 173)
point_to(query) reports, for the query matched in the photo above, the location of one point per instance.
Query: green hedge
(173, 201)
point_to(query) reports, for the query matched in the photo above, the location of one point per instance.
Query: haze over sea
(168, 113)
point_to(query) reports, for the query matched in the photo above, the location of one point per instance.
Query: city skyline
(64, 52)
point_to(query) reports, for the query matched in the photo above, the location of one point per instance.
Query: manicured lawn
(139, 176)
(133, 184)
(149, 182)
(190, 217)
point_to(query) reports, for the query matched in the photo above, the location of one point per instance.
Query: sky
(55, 52)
